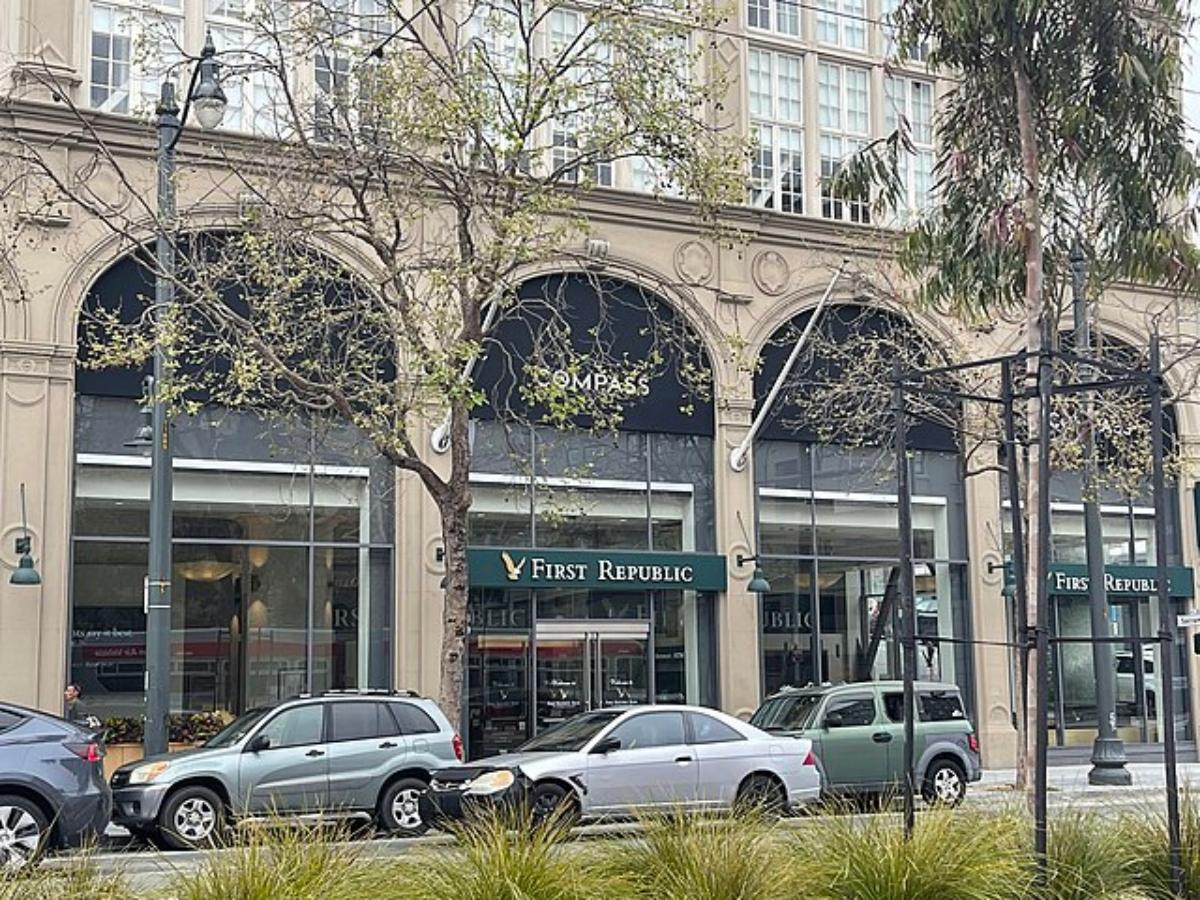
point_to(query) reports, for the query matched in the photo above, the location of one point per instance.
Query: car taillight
(90, 752)
(458, 748)
(810, 760)
(972, 742)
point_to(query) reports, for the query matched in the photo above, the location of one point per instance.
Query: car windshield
(794, 713)
(238, 728)
(572, 734)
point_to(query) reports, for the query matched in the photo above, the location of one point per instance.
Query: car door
(290, 774)
(653, 767)
(722, 759)
(854, 745)
(893, 724)
(364, 743)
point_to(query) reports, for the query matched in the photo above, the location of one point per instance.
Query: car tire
(399, 812)
(945, 783)
(192, 818)
(24, 833)
(551, 802)
(761, 795)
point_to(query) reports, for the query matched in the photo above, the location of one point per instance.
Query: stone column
(417, 641)
(37, 392)
(739, 655)
(993, 700)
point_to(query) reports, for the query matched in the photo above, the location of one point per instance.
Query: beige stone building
(298, 571)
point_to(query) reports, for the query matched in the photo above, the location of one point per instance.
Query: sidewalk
(1073, 779)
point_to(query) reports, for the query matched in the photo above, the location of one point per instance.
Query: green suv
(857, 732)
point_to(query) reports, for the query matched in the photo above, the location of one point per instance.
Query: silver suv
(359, 755)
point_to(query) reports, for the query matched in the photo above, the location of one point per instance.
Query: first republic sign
(615, 570)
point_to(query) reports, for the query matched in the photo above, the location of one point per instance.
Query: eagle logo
(512, 569)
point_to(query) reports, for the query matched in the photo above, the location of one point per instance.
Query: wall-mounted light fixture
(24, 573)
(758, 581)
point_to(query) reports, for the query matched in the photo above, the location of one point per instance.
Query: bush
(79, 880)
(688, 857)
(499, 858)
(182, 728)
(953, 855)
(1145, 834)
(280, 863)
(1088, 858)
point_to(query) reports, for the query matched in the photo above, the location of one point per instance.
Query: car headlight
(147, 773)
(492, 782)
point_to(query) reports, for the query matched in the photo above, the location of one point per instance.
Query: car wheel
(760, 794)
(191, 819)
(945, 783)
(553, 803)
(23, 833)
(400, 808)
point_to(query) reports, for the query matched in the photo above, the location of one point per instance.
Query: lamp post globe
(208, 98)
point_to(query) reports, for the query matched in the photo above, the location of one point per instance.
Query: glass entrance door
(585, 664)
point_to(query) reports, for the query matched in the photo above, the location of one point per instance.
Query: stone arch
(109, 250)
(934, 328)
(613, 308)
(849, 314)
(679, 297)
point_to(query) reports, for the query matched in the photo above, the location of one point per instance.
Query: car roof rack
(368, 692)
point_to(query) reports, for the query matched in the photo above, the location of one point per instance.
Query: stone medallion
(771, 272)
(694, 263)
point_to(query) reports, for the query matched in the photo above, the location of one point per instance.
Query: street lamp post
(204, 92)
(1108, 751)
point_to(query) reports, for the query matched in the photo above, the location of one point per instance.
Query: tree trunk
(1031, 205)
(454, 612)
(454, 507)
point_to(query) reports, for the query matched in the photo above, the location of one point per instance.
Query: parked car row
(393, 761)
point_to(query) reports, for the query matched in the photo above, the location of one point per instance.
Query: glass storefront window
(829, 553)
(281, 582)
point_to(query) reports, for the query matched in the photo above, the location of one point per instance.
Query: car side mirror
(834, 720)
(258, 743)
(607, 745)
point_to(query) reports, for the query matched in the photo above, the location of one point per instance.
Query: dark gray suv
(358, 755)
(52, 788)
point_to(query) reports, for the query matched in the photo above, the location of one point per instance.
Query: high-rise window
(133, 48)
(777, 167)
(843, 117)
(782, 16)
(890, 38)
(842, 23)
(912, 99)
(569, 132)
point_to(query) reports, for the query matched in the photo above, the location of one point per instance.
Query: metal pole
(1018, 541)
(737, 456)
(1108, 750)
(1166, 633)
(158, 584)
(1041, 738)
(907, 605)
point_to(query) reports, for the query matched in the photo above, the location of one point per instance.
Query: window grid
(131, 51)
(842, 23)
(782, 16)
(776, 108)
(912, 99)
(843, 116)
(565, 26)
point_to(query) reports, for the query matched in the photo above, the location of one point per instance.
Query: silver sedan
(613, 762)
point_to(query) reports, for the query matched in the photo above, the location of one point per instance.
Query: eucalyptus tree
(447, 148)
(1062, 120)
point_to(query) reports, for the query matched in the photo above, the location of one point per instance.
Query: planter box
(117, 755)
